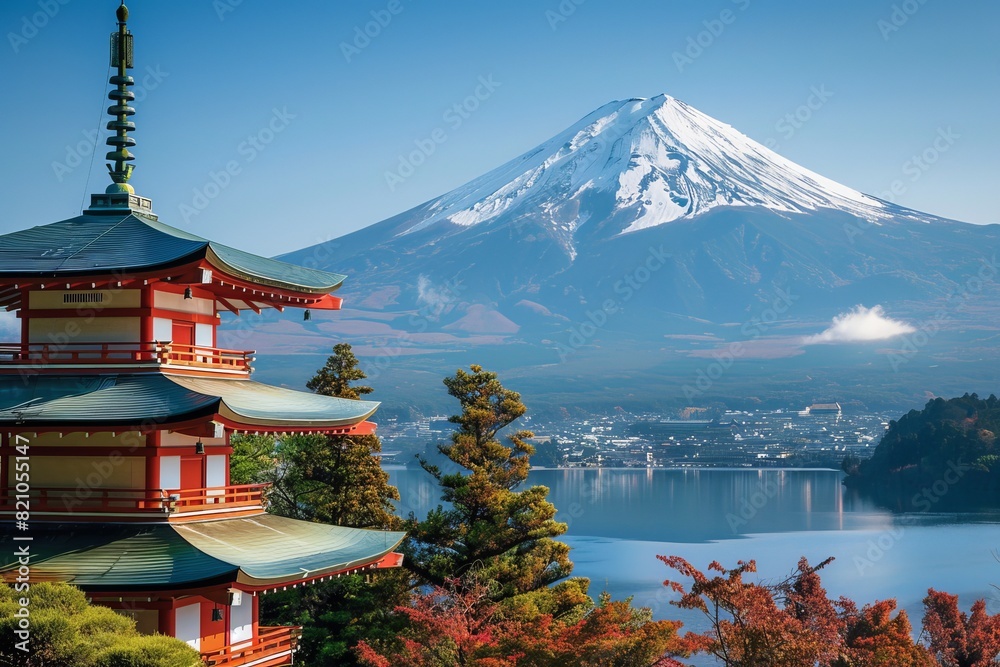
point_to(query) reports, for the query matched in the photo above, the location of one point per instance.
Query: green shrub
(66, 631)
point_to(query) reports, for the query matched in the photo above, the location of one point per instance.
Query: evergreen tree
(334, 479)
(489, 526)
(326, 478)
(336, 376)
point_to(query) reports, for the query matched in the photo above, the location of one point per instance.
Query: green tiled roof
(272, 549)
(89, 244)
(254, 401)
(46, 400)
(260, 550)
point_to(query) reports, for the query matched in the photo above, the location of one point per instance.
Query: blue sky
(309, 118)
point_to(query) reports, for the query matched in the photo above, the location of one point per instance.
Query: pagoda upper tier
(118, 245)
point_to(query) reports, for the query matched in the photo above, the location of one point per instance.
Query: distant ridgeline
(943, 456)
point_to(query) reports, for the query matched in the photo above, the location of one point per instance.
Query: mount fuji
(638, 164)
(645, 221)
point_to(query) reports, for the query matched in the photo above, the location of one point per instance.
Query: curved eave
(313, 282)
(107, 401)
(272, 550)
(129, 242)
(277, 422)
(300, 575)
(114, 556)
(252, 404)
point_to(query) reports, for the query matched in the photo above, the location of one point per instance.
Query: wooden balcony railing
(274, 642)
(195, 500)
(162, 353)
(141, 501)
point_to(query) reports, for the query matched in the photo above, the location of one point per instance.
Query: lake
(620, 519)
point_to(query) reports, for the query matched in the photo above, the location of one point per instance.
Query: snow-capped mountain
(643, 163)
(537, 242)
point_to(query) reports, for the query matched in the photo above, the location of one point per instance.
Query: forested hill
(945, 454)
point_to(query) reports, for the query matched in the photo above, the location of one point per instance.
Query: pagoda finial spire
(122, 58)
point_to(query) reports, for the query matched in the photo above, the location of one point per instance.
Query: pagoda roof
(109, 400)
(260, 551)
(128, 241)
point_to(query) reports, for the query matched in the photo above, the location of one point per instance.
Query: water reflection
(683, 505)
(701, 505)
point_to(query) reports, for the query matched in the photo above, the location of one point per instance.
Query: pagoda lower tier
(119, 483)
(201, 582)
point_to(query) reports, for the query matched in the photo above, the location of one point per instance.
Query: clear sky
(310, 116)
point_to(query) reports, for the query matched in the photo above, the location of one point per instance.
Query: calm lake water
(619, 520)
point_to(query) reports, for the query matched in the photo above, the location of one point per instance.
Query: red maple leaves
(794, 624)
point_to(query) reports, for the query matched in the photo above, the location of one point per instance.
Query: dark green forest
(942, 457)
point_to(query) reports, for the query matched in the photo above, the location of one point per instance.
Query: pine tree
(330, 479)
(336, 376)
(326, 478)
(490, 527)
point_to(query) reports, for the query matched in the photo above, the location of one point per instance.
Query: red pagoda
(117, 409)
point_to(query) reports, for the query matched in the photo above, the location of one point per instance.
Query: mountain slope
(538, 242)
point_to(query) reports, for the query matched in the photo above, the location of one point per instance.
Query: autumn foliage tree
(490, 522)
(462, 624)
(958, 639)
(792, 623)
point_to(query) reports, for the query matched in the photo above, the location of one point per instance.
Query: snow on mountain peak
(654, 160)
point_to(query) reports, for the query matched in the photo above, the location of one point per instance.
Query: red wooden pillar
(255, 624)
(153, 460)
(146, 319)
(168, 619)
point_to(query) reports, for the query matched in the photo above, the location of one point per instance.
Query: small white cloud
(859, 325)
(434, 300)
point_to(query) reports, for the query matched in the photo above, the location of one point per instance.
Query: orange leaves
(794, 624)
(957, 639)
(462, 626)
